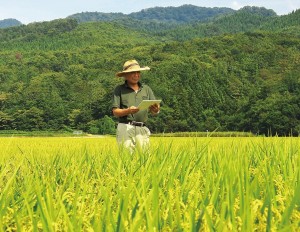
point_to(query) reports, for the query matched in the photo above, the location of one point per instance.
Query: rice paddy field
(182, 184)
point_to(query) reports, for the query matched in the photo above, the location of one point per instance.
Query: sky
(28, 11)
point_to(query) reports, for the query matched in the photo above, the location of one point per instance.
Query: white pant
(130, 137)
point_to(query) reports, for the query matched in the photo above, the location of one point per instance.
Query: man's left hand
(154, 109)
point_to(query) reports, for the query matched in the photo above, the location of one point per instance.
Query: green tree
(31, 119)
(103, 126)
(6, 121)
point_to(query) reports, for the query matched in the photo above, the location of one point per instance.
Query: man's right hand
(117, 112)
(133, 110)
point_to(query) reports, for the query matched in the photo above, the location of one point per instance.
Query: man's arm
(117, 112)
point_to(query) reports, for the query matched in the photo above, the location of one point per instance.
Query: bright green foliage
(195, 184)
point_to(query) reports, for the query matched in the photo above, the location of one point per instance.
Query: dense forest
(234, 71)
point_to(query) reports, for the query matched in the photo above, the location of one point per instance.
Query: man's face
(133, 77)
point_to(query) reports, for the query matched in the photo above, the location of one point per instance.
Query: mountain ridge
(10, 22)
(182, 14)
(169, 14)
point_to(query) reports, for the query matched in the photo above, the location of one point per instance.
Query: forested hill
(287, 23)
(9, 23)
(174, 21)
(177, 15)
(244, 20)
(61, 74)
(188, 21)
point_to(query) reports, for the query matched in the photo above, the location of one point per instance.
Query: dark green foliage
(292, 19)
(61, 74)
(49, 36)
(103, 126)
(243, 20)
(157, 19)
(97, 17)
(182, 14)
(187, 21)
(34, 31)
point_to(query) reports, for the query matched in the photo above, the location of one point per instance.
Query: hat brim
(120, 74)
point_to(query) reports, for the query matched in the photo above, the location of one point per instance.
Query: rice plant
(181, 184)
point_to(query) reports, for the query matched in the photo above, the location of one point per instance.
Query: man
(132, 130)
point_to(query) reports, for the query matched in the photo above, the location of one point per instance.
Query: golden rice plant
(181, 184)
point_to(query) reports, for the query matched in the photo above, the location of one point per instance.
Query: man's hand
(117, 112)
(154, 109)
(133, 110)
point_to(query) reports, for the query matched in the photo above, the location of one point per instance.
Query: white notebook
(146, 103)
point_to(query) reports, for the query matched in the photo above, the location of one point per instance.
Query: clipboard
(146, 103)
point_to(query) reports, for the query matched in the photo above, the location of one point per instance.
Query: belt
(135, 123)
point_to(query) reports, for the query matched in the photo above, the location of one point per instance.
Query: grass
(183, 184)
(16, 133)
(206, 134)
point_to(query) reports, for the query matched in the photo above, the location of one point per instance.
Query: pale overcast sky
(28, 11)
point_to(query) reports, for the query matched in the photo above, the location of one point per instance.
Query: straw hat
(131, 66)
